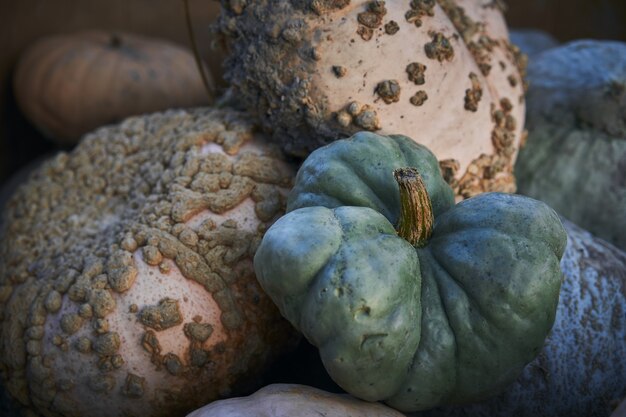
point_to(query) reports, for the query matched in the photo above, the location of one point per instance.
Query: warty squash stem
(416, 210)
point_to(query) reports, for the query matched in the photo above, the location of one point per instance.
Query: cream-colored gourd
(288, 400)
(440, 71)
(126, 286)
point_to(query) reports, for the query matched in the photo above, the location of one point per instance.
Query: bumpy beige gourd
(440, 71)
(126, 286)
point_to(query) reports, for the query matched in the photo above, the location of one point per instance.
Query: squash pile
(169, 260)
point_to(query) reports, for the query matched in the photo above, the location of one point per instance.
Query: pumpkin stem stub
(115, 41)
(416, 210)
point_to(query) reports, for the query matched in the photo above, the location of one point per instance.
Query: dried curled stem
(416, 210)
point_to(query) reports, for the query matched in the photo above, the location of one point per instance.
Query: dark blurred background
(23, 21)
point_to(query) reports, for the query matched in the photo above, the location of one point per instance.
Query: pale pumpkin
(442, 72)
(126, 281)
(575, 157)
(68, 85)
(289, 400)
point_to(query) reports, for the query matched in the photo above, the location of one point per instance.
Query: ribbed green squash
(452, 321)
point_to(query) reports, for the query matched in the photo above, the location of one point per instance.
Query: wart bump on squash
(151, 255)
(321, 7)
(150, 344)
(367, 119)
(102, 302)
(162, 316)
(420, 9)
(100, 326)
(391, 27)
(439, 48)
(416, 72)
(53, 301)
(371, 19)
(83, 345)
(339, 71)
(85, 311)
(101, 383)
(473, 94)
(173, 364)
(107, 344)
(419, 98)
(70, 323)
(117, 361)
(466, 26)
(133, 386)
(198, 357)
(199, 332)
(388, 91)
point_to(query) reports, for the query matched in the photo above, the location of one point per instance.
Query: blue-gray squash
(575, 156)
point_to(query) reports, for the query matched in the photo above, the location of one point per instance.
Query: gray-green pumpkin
(452, 318)
(575, 157)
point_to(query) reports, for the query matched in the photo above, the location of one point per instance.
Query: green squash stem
(416, 211)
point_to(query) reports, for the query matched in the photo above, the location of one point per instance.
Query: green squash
(452, 318)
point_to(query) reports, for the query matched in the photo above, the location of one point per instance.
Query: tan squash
(440, 71)
(126, 281)
(68, 85)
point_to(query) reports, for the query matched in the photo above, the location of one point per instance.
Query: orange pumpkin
(68, 85)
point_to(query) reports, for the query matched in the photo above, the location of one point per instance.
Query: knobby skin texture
(453, 322)
(126, 281)
(314, 71)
